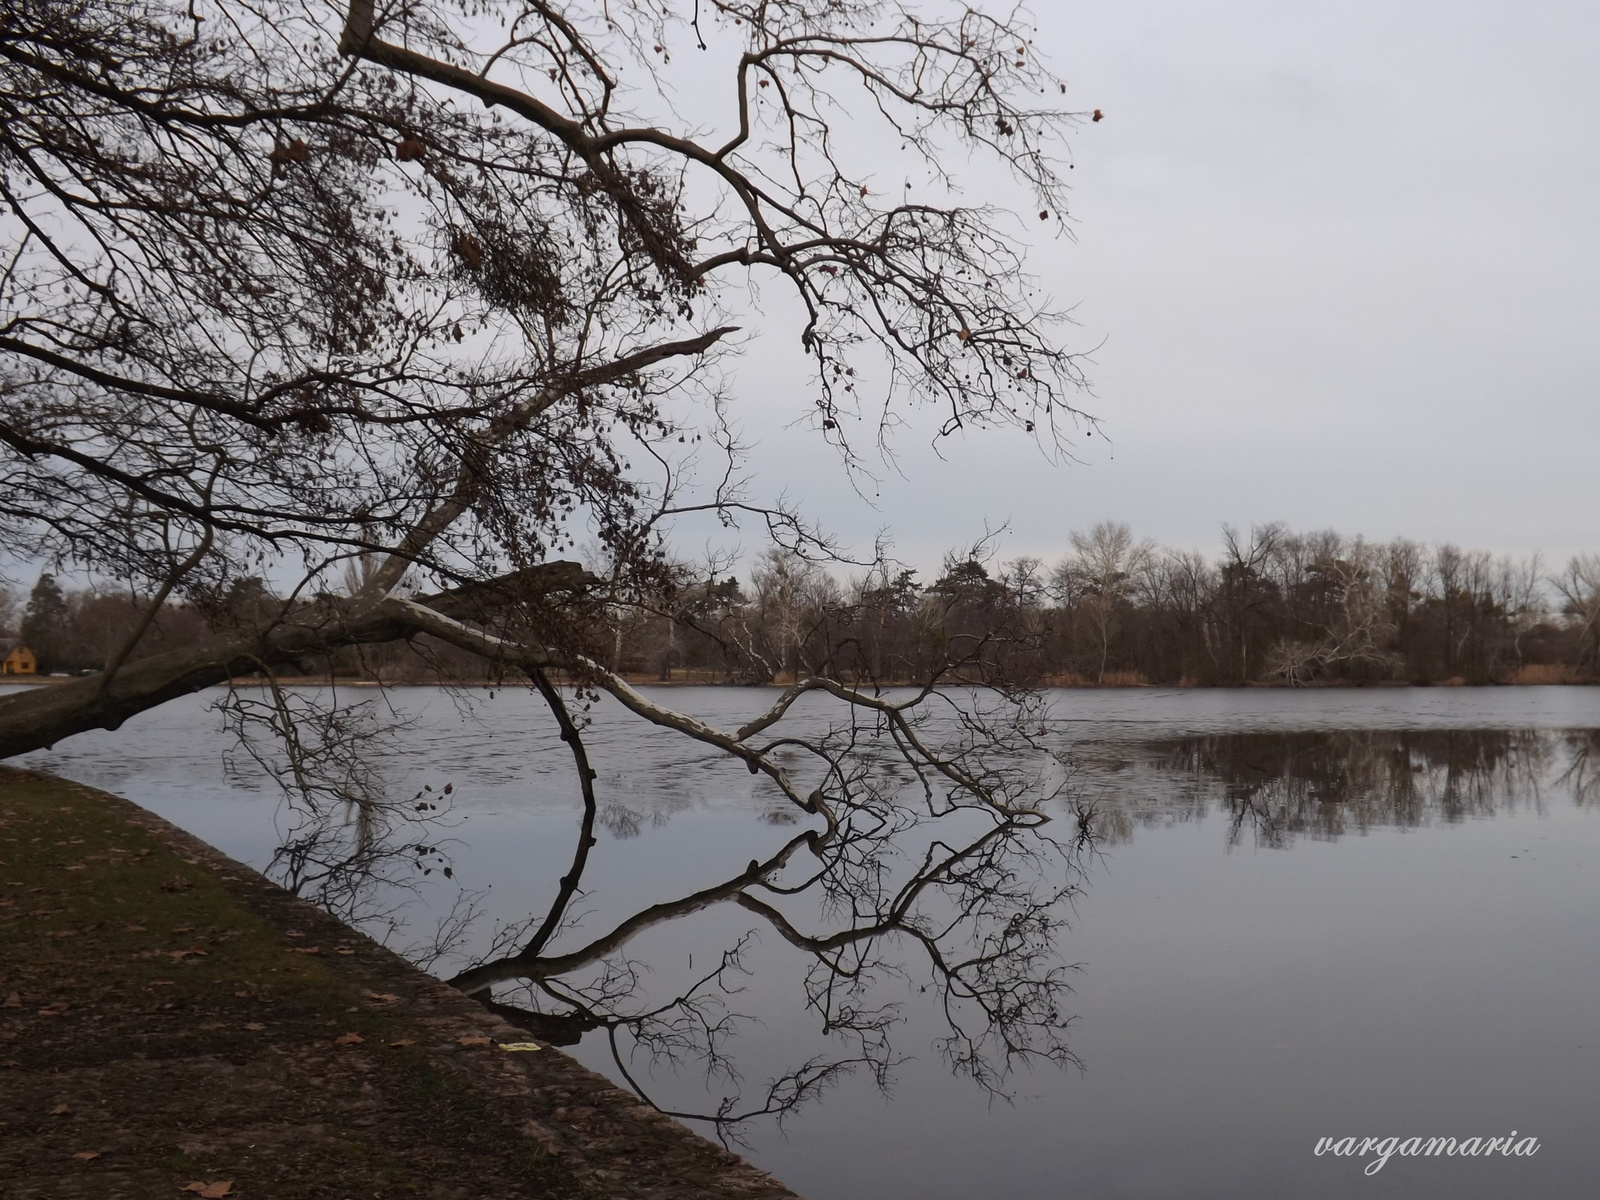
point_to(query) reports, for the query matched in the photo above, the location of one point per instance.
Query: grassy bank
(168, 1019)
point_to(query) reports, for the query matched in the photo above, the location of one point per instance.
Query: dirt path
(169, 1020)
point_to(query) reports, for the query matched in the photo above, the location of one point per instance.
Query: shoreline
(168, 1016)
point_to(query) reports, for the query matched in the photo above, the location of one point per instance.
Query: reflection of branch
(693, 1025)
(347, 843)
(979, 908)
(1582, 774)
(895, 919)
(529, 964)
(586, 839)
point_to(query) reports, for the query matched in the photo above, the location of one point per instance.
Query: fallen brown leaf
(383, 997)
(14, 1000)
(254, 1026)
(61, 1110)
(404, 1042)
(348, 1039)
(342, 950)
(474, 1041)
(86, 1155)
(209, 1191)
(307, 949)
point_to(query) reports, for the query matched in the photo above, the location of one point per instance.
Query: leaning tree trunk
(38, 717)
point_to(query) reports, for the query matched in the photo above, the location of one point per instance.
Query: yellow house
(19, 662)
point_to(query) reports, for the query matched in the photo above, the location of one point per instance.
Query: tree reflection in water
(898, 871)
(910, 846)
(1275, 787)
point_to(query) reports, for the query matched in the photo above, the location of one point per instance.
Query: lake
(1306, 915)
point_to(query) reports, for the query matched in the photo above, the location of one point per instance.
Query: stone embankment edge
(604, 1135)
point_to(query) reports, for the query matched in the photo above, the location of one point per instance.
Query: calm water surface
(1314, 914)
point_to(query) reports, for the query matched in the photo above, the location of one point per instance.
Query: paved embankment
(173, 1024)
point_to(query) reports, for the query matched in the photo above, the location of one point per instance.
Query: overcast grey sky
(1344, 261)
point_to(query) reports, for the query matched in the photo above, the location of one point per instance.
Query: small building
(20, 661)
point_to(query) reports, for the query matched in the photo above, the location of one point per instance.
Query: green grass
(192, 1038)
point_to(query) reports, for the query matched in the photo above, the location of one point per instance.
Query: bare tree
(1357, 629)
(793, 594)
(1579, 586)
(417, 298)
(1519, 587)
(276, 294)
(1403, 579)
(1106, 563)
(1246, 595)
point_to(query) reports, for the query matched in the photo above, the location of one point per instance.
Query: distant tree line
(1273, 607)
